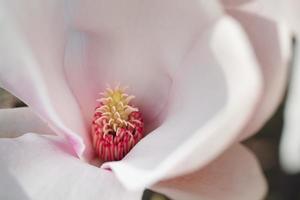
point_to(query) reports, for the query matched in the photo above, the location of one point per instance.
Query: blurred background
(264, 144)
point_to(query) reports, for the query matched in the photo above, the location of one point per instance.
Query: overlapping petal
(272, 45)
(15, 122)
(44, 167)
(235, 175)
(277, 12)
(213, 94)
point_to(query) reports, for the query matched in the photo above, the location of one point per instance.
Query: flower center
(117, 125)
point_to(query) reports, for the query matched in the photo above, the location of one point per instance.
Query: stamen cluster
(117, 125)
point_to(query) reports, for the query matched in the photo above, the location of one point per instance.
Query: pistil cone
(117, 125)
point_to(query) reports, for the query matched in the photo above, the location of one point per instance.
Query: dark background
(264, 144)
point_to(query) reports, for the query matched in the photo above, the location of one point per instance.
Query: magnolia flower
(196, 82)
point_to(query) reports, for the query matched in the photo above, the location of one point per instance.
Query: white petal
(290, 142)
(214, 93)
(18, 121)
(291, 9)
(235, 175)
(32, 44)
(44, 167)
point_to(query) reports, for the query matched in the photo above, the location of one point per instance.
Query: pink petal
(18, 121)
(235, 175)
(271, 43)
(32, 44)
(43, 167)
(137, 44)
(213, 96)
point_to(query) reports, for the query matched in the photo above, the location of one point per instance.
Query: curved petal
(18, 121)
(272, 49)
(235, 175)
(266, 8)
(44, 168)
(135, 44)
(32, 41)
(286, 11)
(213, 95)
(290, 141)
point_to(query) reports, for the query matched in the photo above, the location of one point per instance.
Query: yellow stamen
(115, 107)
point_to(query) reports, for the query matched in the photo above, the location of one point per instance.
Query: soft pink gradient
(213, 182)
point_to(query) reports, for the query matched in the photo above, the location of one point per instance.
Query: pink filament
(112, 146)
